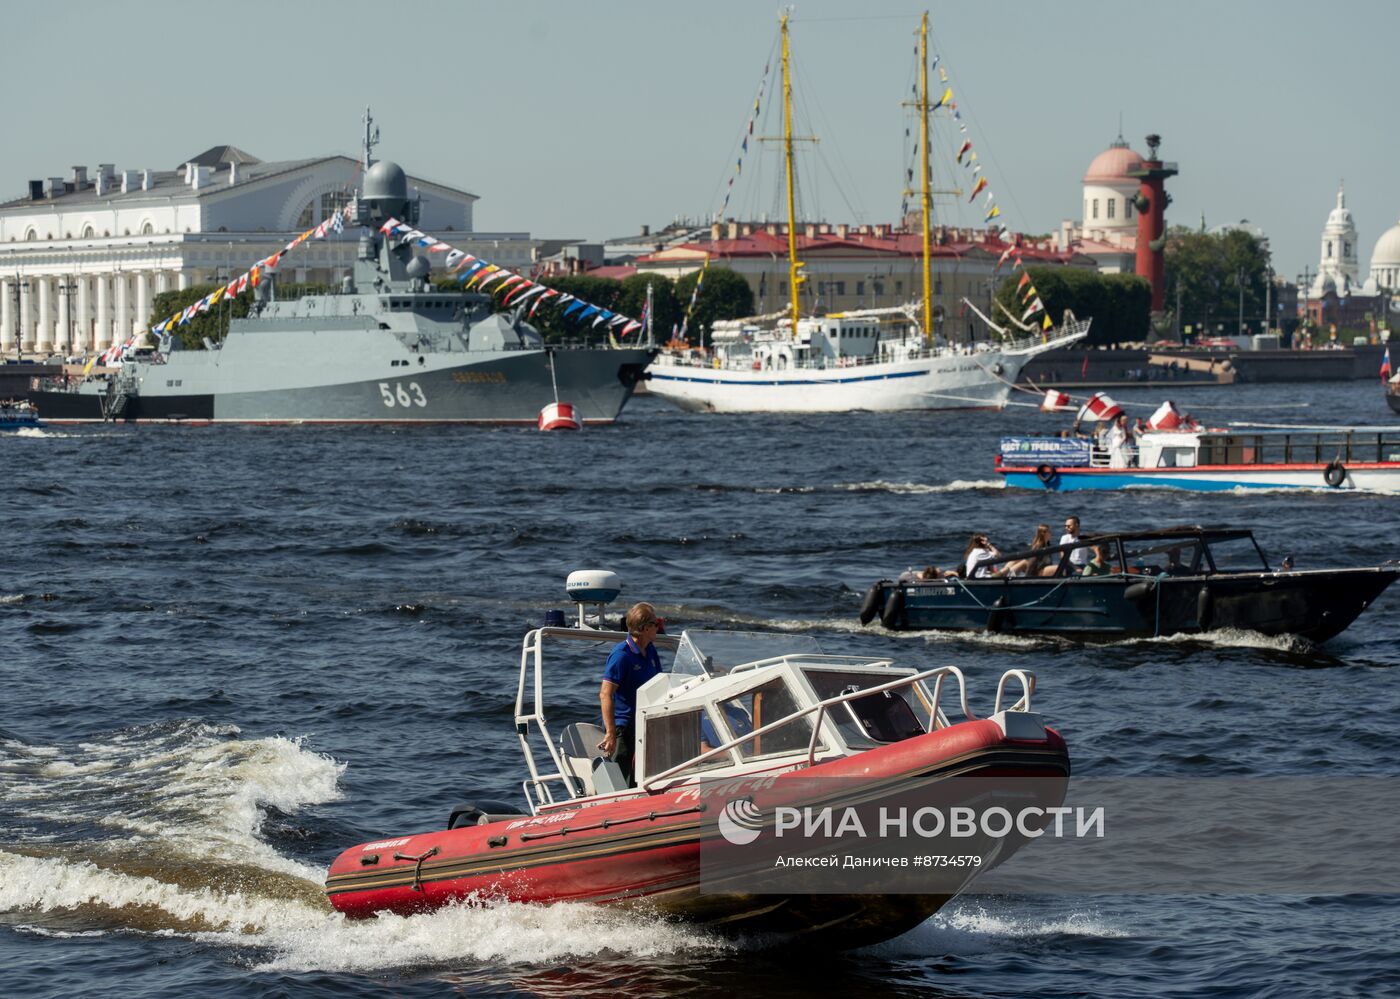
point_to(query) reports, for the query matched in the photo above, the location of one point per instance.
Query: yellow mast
(795, 279)
(925, 194)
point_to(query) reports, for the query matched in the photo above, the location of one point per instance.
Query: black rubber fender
(1140, 589)
(997, 619)
(893, 612)
(472, 812)
(1334, 474)
(1205, 608)
(874, 600)
(1047, 475)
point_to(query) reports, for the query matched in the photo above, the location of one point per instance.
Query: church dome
(1387, 251)
(1112, 165)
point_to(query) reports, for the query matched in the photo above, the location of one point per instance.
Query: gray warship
(389, 348)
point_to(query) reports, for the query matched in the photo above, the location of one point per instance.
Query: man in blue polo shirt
(633, 662)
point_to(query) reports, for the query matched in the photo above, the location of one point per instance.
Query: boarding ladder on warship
(119, 392)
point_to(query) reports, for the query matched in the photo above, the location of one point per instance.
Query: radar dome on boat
(593, 586)
(419, 267)
(386, 181)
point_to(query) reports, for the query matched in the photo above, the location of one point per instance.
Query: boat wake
(165, 829)
(874, 486)
(966, 927)
(918, 488)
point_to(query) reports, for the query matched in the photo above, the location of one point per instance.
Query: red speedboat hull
(647, 848)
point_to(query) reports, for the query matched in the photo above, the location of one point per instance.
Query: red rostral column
(1151, 204)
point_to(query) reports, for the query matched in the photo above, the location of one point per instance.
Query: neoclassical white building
(82, 257)
(1385, 261)
(1107, 231)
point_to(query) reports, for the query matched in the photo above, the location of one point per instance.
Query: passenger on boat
(632, 663)
(1120, 455)
(933, 572)
(1032, 565)
(979, 550)
(1098, 565)
(1174, 566)
(1079, 557)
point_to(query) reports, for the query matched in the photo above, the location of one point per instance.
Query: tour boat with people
(734, 729)
(1144, 584)
(1173, 453)
(17, 414)
(877, 359)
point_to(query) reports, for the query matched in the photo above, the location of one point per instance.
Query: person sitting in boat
(1174, 566)
(1098, 565)
(1033, 565)
(632, 663)
(1078, 557)
(978, 552)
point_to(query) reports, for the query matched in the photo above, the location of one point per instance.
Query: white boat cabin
(728, 703)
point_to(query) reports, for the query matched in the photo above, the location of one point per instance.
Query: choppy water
(228, 653)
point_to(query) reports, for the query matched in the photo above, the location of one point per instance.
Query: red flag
(1055, 401)
(1385, 365)
(1084, 368)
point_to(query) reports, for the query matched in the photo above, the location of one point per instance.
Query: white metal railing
(537, 784)
(1023, 703)
(820, 709)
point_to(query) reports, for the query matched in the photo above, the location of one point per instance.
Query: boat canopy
(728, 703)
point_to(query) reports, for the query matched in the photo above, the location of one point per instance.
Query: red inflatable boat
(743, 733)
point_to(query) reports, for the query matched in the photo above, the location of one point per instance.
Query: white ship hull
(944, 380)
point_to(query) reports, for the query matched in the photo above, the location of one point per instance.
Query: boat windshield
(1172, 556)
(1237, 554)
(715, 653)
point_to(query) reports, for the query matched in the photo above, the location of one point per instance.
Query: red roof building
(859, 267)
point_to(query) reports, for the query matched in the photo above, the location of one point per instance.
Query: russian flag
(1385, 365)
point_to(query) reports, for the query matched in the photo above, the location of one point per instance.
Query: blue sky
(589, 120)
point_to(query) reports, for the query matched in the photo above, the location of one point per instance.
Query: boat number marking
(413, 396)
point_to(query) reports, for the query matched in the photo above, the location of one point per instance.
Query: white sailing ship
(878, 359)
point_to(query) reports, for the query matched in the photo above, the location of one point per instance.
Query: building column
(143, 298)
(102, 332)
(26, 315)
(63, 322)
(121, 310)
(182, 279)
(82, 320)
(43, 336)
(9, 332)
(162, 282)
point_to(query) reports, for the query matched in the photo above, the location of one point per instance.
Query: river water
(229, 653)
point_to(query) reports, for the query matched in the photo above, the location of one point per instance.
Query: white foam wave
(919, 488)
(1232, 638)
(298, 935)
(195, 790)
(11, 598)
(494, 933)
(55, 885)
(966, 928)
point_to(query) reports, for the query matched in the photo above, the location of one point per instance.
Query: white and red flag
(1100, 407)
(1056, 401)
(1166, 417)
